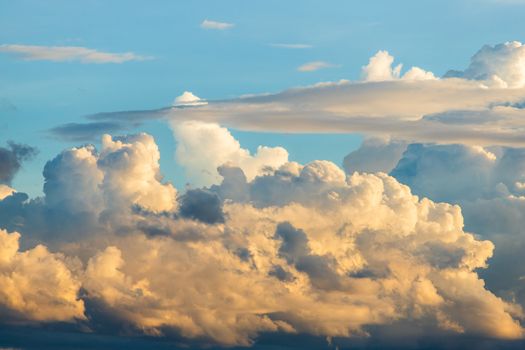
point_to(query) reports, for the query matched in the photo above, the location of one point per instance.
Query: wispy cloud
(209, 24)
(69, 53)
(291, 46)
(315, 65)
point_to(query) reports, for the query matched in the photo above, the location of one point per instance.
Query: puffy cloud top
(379, 68)
(502, 63)
(203, 147)
(293, 249)
(36, 285)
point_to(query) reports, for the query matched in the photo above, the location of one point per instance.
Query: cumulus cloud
(188, 99)
(380, 68)
(488, 185)
(11, 158)
(315, 65)
(203, 147)
(358, 252)
(375, 155)
(68, 53)
(297, 249)
(209, 24)
(503, 63)
(36, 285)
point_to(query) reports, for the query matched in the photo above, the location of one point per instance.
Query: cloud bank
(295, 249)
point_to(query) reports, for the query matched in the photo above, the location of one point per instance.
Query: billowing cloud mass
(380, 68)
(503, 63)
(36, 285)
(419, 234)
(68, 53)
(203, 147)
(295, 249)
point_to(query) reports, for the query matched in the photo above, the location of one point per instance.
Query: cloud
(69, 53)
(209, 24)
(411, 106)
(488, 185)
(292, 46)
(201, 205)
(503, 63)
(11, 158)
(295, 249)
(203, 147)
(36, 285)
(315, 65)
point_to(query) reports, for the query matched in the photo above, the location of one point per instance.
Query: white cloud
(203, 147)
(188, 99)
(5, 191)
(209, 24)
(375, 155)
(69, 53)
(126, 172)
(380, 68)
(315, 65)
(504, 64)
(488, 184)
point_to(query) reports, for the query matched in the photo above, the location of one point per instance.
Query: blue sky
(215, 64)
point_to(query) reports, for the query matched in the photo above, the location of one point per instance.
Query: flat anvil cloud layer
(482, 105)
(296, 249)
(409, 110)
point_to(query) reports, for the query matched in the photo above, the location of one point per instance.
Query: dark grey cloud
(294, 249)
(202, 205)
(85, 131)
(11, 159)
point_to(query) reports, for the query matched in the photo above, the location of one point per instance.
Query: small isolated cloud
(188, 99)
(315, 65)
(292, 46)
(69, 53)
(208, 24)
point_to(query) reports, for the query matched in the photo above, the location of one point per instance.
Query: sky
(262, 174)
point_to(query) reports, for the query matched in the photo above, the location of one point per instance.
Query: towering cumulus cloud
(203, 147)
(36, 285)
(295, 249)
(11, 159)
